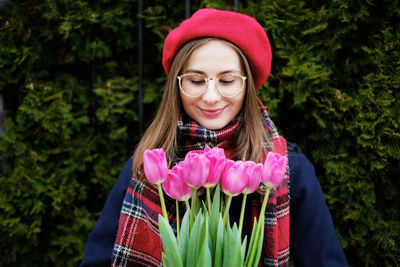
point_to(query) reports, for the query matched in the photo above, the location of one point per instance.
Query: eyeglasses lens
(228, 85)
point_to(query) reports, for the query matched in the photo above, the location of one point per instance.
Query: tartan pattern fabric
(276, 223)
(138, 242)
(193, 136)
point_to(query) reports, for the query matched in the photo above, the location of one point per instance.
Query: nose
(211, 95)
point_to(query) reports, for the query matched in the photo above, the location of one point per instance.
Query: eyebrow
(220, 73)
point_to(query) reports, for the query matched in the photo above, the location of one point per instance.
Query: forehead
(214, 57)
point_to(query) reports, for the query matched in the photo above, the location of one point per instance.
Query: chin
(213, 126)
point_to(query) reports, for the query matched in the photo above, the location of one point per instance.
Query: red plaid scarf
(193, 136)
(138, 242)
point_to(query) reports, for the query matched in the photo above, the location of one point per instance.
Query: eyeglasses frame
(209, 79)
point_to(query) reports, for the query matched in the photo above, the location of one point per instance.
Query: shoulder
(126, 172)
(296, 158)
(298, 162)
(101, 240)
(301, 172)
(313, 240)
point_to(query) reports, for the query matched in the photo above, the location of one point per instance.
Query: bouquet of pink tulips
(206, 237)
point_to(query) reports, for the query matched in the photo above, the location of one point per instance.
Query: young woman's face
(212, 110)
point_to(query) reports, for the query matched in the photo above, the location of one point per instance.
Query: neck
(193, 136)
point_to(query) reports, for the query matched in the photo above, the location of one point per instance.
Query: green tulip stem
(160, 193)
(193, 207)
(221, 197)
(187, 204)
(177, 219)
(208, 200)
(226, 214)
(260, 224)
(242, 212)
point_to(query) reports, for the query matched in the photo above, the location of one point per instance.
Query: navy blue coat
(313, 240)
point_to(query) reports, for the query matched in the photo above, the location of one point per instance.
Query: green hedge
(68, 69)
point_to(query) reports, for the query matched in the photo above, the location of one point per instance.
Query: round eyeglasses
(195, 84)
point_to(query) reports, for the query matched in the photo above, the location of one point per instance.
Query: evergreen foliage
(69, 71)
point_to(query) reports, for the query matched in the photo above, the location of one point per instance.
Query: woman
(215, 62)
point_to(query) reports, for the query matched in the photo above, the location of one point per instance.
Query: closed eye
(197, 82)
(226, 81)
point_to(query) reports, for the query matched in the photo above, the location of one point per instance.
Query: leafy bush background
(68, 70)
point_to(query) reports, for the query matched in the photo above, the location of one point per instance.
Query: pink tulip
(155, 165)
(216, 152)
(196, 168)
(217, 159)
(233, 178)
(274, 169)
(254, 172)
(175, 186)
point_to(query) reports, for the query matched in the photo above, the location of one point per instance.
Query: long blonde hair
(162, 132)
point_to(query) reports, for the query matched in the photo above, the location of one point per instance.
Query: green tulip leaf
(227, 247)
(244, 244)
(259, 247)
(219, 242)
(232, 247)
(165, 260)
(169, 242)
(193, 246)
(236, 240)
(216, 201)
(213, 222)
(204, 255)
(184, 237)
(251, 244)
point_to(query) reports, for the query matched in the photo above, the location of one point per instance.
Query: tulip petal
(234, 178)
(254, 177)
(217, 159)
(274, 169)
(196, 169)
(175, 187)
(155, 165)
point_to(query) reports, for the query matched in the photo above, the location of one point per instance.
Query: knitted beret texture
(241, 30)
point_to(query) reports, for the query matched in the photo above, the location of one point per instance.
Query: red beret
(241, 30)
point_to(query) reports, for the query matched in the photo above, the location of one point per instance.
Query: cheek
(239, 103)
(238, 108)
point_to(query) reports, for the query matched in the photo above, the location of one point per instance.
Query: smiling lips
(212, 113)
